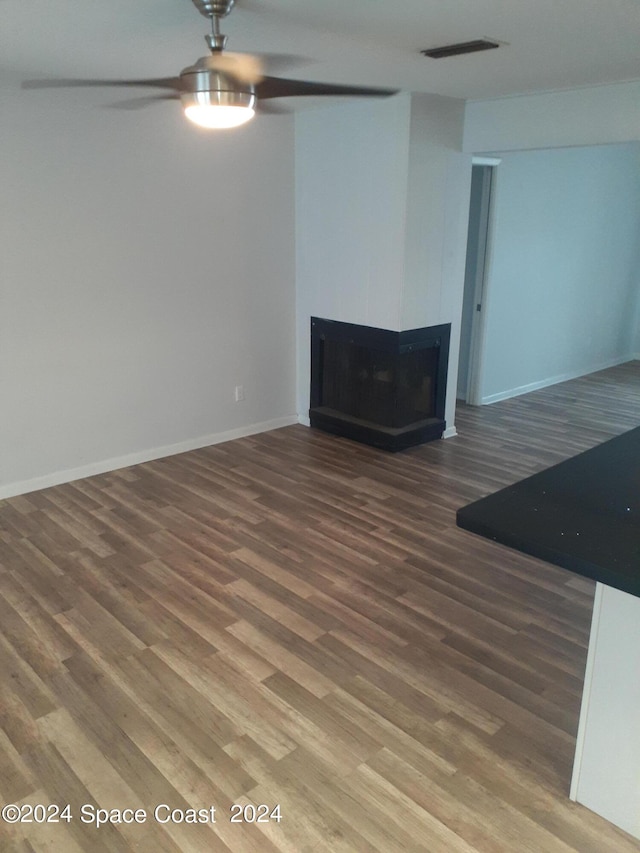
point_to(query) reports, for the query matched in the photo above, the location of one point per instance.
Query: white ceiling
(548, 44)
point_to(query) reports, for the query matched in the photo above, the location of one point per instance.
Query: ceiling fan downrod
(215, 9)
(216, 41)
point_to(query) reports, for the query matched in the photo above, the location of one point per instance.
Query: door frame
(483, 268)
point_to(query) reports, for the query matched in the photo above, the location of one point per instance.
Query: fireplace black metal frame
(392, 438)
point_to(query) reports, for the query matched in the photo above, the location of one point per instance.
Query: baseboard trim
(450, 432)
(552, 380)
(57, 478)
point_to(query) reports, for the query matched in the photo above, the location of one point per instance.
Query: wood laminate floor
(294, 619)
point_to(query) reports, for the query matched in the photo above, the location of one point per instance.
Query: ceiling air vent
(462, 47)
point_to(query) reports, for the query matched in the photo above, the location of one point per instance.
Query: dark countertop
(583, 514)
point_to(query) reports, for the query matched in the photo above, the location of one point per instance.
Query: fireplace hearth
(376, 386)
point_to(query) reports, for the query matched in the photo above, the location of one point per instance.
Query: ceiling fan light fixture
(218, 117)
(215, 100)
(218, 110)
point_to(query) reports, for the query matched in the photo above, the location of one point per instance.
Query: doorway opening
(475, 280)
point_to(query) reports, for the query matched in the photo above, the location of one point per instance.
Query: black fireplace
(376, 386)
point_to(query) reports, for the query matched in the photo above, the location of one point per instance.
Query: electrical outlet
(239, 393)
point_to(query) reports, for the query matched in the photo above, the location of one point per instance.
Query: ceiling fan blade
(140, 103)
(277, 87)
(277, 62)
(242, 66)
(269, 108)
(157, 83)
(250, 68)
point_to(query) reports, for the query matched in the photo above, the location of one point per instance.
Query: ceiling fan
(223, 89)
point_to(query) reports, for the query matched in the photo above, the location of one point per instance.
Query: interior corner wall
(147, 269)
(437, 218)
(562, 291)
(351, 180)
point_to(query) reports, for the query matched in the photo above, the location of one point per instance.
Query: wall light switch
(239, 393)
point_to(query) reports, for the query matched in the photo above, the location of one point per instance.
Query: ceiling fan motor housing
(204, 85)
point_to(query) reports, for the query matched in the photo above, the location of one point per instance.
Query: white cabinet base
(606, 770)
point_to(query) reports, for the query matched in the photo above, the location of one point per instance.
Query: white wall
(437, 215)
(351, 183)
(147, 268)
(562, 293)
(590, 116)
